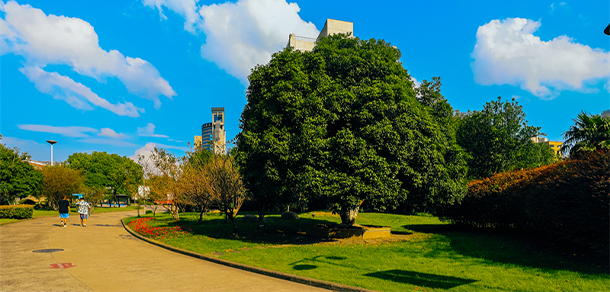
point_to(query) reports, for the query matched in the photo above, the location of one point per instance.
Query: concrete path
(104, 257)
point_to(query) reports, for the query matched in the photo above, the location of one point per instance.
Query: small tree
(225, 184)
(496, 137)
(61, 181)
(163, 171)
(195, 186)
(195, 180)
(95, 194)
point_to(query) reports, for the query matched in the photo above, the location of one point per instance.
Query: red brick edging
(266, 272)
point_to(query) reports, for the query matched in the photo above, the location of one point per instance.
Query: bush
(149, 211)
(565, 201)
(17, 211)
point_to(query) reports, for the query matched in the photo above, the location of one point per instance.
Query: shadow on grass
(421, 279)
(329, 260)
(513, 247)
(274, 231)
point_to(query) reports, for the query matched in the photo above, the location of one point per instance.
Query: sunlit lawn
(434, 257)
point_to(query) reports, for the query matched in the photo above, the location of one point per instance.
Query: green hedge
(17, 211)
(566, 201)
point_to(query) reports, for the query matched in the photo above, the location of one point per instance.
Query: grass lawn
(432, 256)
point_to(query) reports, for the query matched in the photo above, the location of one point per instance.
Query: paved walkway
(104, 257)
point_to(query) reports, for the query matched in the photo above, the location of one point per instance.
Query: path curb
(266, 272)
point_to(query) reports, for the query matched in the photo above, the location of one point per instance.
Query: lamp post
(51, 142)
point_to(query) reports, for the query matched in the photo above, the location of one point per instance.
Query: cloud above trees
(59, 40)
(241, 35)
(508, 52)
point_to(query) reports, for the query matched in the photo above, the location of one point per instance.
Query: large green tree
(17, 177)
(498, 138)
(342, 122)
(101, 169)
(588, 134)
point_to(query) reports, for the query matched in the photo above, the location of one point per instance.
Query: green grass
(7, 220)
(434, 257)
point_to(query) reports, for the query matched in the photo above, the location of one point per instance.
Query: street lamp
(51, 142)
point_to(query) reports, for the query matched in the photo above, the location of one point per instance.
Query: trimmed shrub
(149, 211)
(565, 201)
(17, 211)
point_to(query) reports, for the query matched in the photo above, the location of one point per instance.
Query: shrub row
(17, 211)
(566, 201)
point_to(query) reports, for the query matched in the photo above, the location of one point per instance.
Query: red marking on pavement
(62, 266)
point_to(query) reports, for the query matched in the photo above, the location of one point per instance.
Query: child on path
(83, 210)
(64, 211)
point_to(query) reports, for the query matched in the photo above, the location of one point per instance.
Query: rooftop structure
(555, 145)
(213, 135)
(331, 27)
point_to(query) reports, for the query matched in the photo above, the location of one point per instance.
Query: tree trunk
(201, 215)
(261, 215)
(235, 231)
(348, 215)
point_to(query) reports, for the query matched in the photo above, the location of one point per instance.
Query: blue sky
(124, 76)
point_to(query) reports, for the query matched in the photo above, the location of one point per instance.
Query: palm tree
(588, 134)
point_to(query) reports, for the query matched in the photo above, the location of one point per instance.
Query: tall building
(219, 135)
(331, 27)
(213, 135)
(206, 136)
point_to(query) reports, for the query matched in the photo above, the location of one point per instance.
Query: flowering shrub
(16, 211)
(141, 227)
(567, 201)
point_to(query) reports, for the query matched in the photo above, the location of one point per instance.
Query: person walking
(64, 211)
(83, 210)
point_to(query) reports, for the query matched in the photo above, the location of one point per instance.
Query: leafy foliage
(17, 211)
(225, 185)
(108, 170)
(567, 201)
(17, 177)
(60, 181)
(498, 139)
(163, 173)
(342, 123)
(588, 134)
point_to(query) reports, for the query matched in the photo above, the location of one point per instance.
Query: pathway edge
(262, 271)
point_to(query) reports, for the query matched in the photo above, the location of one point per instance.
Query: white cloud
(147, 151)
(241, 35)
(186, 9)
(111, 133)
(72, 131)
(51, 39)
(74, 93)
(507, 52)
(149, 131)
(144, 151)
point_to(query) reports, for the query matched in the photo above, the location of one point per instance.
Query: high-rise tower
(213, 135)
(219, 140)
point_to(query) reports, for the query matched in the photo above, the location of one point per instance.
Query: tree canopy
(17, 177)
(342, 122)
(108, 170)
(498, 138)
(588, 134)
(61, 181)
